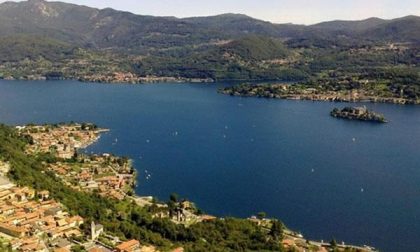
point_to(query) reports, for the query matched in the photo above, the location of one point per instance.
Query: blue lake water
(354, 181)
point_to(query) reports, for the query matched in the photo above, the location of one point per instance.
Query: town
(31, 221)
(111, 176)
(62, 140)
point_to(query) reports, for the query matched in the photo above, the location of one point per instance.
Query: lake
(328, 178)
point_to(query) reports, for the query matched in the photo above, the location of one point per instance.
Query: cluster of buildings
(184, 212)
(110, 176)
(396, 47)
(31, 221)
(62, 140)
(107, 174)
(127, 77)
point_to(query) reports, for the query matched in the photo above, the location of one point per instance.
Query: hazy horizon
(277, 11)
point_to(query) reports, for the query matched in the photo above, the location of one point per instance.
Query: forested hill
(39, 39)
(110, 28)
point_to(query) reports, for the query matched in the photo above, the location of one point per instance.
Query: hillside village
(111, 176)
(60, 140)
(31, 221)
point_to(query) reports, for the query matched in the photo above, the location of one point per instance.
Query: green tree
(261, 215)
(276, 230)
(173, 197)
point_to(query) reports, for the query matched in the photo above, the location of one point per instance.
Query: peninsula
(328, 91)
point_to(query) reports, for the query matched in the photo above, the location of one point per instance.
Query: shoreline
(291, 239)
(326, 98)
(289, 235)
(146, 80)
(110, 80)
(283, 92)
(175, 211)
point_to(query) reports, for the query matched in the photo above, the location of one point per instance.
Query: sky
(276, 11)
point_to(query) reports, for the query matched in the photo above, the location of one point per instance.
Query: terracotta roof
(128, 245)
(288, 242)
(61, 250)
(13, 228)
(95, 249)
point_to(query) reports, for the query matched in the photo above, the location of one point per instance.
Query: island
(358, 113)
(55, 197)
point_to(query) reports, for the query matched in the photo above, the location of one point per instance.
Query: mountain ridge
(71, 41)
(108, 28)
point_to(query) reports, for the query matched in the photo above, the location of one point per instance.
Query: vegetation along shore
(323, 92)
(87, 202)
